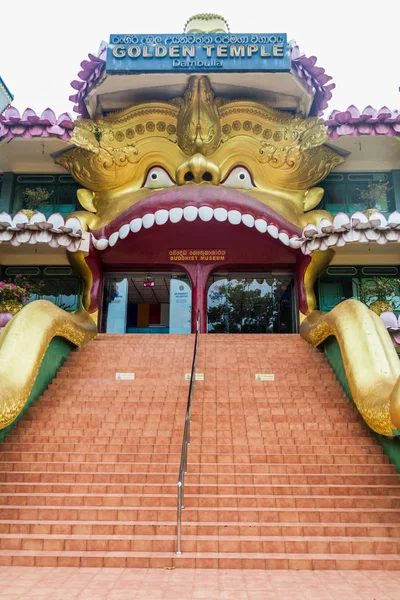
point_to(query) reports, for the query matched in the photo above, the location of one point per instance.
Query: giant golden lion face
(200, 152)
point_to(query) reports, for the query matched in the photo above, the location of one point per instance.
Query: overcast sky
(42, 42)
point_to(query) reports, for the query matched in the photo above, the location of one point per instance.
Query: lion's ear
(86, 198)
(312, 198)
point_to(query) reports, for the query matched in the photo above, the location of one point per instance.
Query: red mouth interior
(206, 195)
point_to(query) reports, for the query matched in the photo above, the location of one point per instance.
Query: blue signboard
(201, 52)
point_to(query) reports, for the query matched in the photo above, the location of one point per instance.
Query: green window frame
(63, 188)
(350, 192)
(343, 282)
(62, 286)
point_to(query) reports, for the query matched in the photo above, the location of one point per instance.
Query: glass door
(147, 302)
(251, 303)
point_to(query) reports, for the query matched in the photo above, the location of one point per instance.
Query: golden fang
(189, 51)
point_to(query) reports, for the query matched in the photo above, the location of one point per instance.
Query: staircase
(282, 474)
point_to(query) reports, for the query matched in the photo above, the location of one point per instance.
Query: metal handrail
(186, 441)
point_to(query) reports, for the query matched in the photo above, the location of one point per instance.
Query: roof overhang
(35, 155)
(368, 153)
(280, 90)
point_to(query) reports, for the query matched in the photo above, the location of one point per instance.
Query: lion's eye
(239, 178)
(157, 177)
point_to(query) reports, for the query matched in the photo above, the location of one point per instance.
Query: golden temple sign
(198, 51)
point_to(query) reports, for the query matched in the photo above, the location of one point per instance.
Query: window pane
(50, 291)
(334, 198)
(363, 196)
(68, 294)
(66, 198)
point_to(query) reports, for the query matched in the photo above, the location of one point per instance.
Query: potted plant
(379, 293)
(14, 294)
(37, 197)
(12, 298)
(375, 195)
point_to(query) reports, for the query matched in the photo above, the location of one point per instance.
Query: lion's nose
(198, 169)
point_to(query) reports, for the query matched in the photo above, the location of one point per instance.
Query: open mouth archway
(198, 235)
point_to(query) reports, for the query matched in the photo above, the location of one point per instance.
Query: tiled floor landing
(67, 583)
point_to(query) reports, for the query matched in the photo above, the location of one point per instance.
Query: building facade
(199, 177)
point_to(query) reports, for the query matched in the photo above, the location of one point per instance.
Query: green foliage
(10, 293)
(375, 194)
(36, 197)
(19, 289)
(31, 286)
(379, 288)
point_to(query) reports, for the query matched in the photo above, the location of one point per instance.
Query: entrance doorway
(147, 303)
(251, 303)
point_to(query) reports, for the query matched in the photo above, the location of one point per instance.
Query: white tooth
(53, 243)
(206, 213)
(295, 242)
(136, 225)
(5, 218)
(43, 237)
(310, 230)
(101, 244)
(113, 239)
(175, 215)
(314, 244)
(161, 217)
(283, 236)
(332, 239)
(273, 231)
(261, 225)
(323, 245)
(56, 220)
(148, 220)
(76, 245)
(124, 231)
(352, 236)
(372, 235)
(23, 236)
(382, 239)
(21, 217)
(39, 218)
(64, 239)
(190, 213)
(72, 222)
(234, 217)
(248, 220)
(221, 214)
(15, 242)
(6, 236)
(392, 236)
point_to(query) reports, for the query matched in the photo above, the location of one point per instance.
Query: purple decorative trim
(369, 122)
(306, 68)
(30, 125)
(92, 71)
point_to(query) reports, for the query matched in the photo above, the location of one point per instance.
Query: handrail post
(179, 518)
(183, 466)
